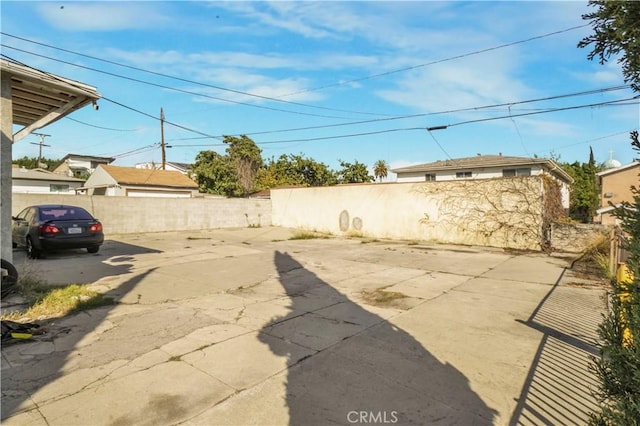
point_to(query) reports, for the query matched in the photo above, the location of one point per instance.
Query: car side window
(22, 215)
(29, 215)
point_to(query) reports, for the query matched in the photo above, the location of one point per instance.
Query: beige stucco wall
(488, 212)
(122, 215)
(618, 184)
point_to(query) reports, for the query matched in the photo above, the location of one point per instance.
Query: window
(58, 188)
(430, 177)
(524, 171)
(463, 175)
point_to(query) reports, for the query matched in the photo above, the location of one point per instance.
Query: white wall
(485, 173)
(41, 186)
(488, 212)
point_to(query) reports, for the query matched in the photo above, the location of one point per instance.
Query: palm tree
(380, 169)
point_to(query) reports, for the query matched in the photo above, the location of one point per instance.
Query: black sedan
(54, 227)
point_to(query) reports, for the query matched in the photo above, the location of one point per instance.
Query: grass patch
(175, 358)
(382, 298)
(306, 235)
(45, 301)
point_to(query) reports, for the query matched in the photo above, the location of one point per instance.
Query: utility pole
(41, 144)
(164, 155)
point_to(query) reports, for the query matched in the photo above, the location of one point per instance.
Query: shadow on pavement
(30, 366)
(79, 267)
(559, 387)
(364, 369)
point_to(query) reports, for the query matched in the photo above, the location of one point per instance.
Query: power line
(162, 86)
(477, 52)
(440, 127)
(464, 55)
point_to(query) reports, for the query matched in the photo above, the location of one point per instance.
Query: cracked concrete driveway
(249, 326)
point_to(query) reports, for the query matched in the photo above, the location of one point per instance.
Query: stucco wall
(576, 237)
(122, 215)
(488, 212)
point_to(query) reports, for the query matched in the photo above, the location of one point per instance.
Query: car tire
(93, 249)
(32, 252)
(9, 281)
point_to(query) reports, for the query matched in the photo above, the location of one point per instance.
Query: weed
(306, 235)
(382, 298)
(57, 301)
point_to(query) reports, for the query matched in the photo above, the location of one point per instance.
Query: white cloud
(101, 16)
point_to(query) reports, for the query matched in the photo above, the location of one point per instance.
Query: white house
(486, 167)
(169, 165)
(39, 181)
(134, 182)
(80, 165)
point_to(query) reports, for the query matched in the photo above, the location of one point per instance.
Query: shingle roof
(483, 161)
(149, 177)
(40, 174)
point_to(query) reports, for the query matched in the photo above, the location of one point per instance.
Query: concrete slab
(246, 360)
(245, 326)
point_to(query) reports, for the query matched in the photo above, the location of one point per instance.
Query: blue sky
(328, 80)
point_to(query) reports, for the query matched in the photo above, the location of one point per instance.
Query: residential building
(134, 182)
(615, 187)
(486, 167)
(39, 181)
(80, 166)
(183, 168)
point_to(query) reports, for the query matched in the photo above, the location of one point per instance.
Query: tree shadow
(363, 369)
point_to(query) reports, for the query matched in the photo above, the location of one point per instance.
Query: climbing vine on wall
(506, 212)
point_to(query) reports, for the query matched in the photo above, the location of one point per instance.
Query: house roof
(619, 169)
(148, 177)
(88, 157)
(40, 174)
(484, 161)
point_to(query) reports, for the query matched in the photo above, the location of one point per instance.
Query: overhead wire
(444, 126)
(477, 52)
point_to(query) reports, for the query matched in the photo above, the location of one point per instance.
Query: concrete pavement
(247, 326)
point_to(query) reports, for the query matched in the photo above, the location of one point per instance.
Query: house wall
(618, 184)
(481, 173)
(124, 215)
(41, 186)
(487, 212)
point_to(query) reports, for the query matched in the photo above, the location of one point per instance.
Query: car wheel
(32, 252)
(93, 249)
(10, 280)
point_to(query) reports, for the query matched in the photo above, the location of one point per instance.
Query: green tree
(616, 26)
(246, 158)
(295, 170)
(32, 162)
(380, 169)
(355, 172)
(585, 195)
(618, 366)
(215, 174)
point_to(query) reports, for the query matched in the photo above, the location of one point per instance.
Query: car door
(20, 227)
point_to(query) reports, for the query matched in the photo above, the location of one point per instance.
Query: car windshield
(63, 213)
